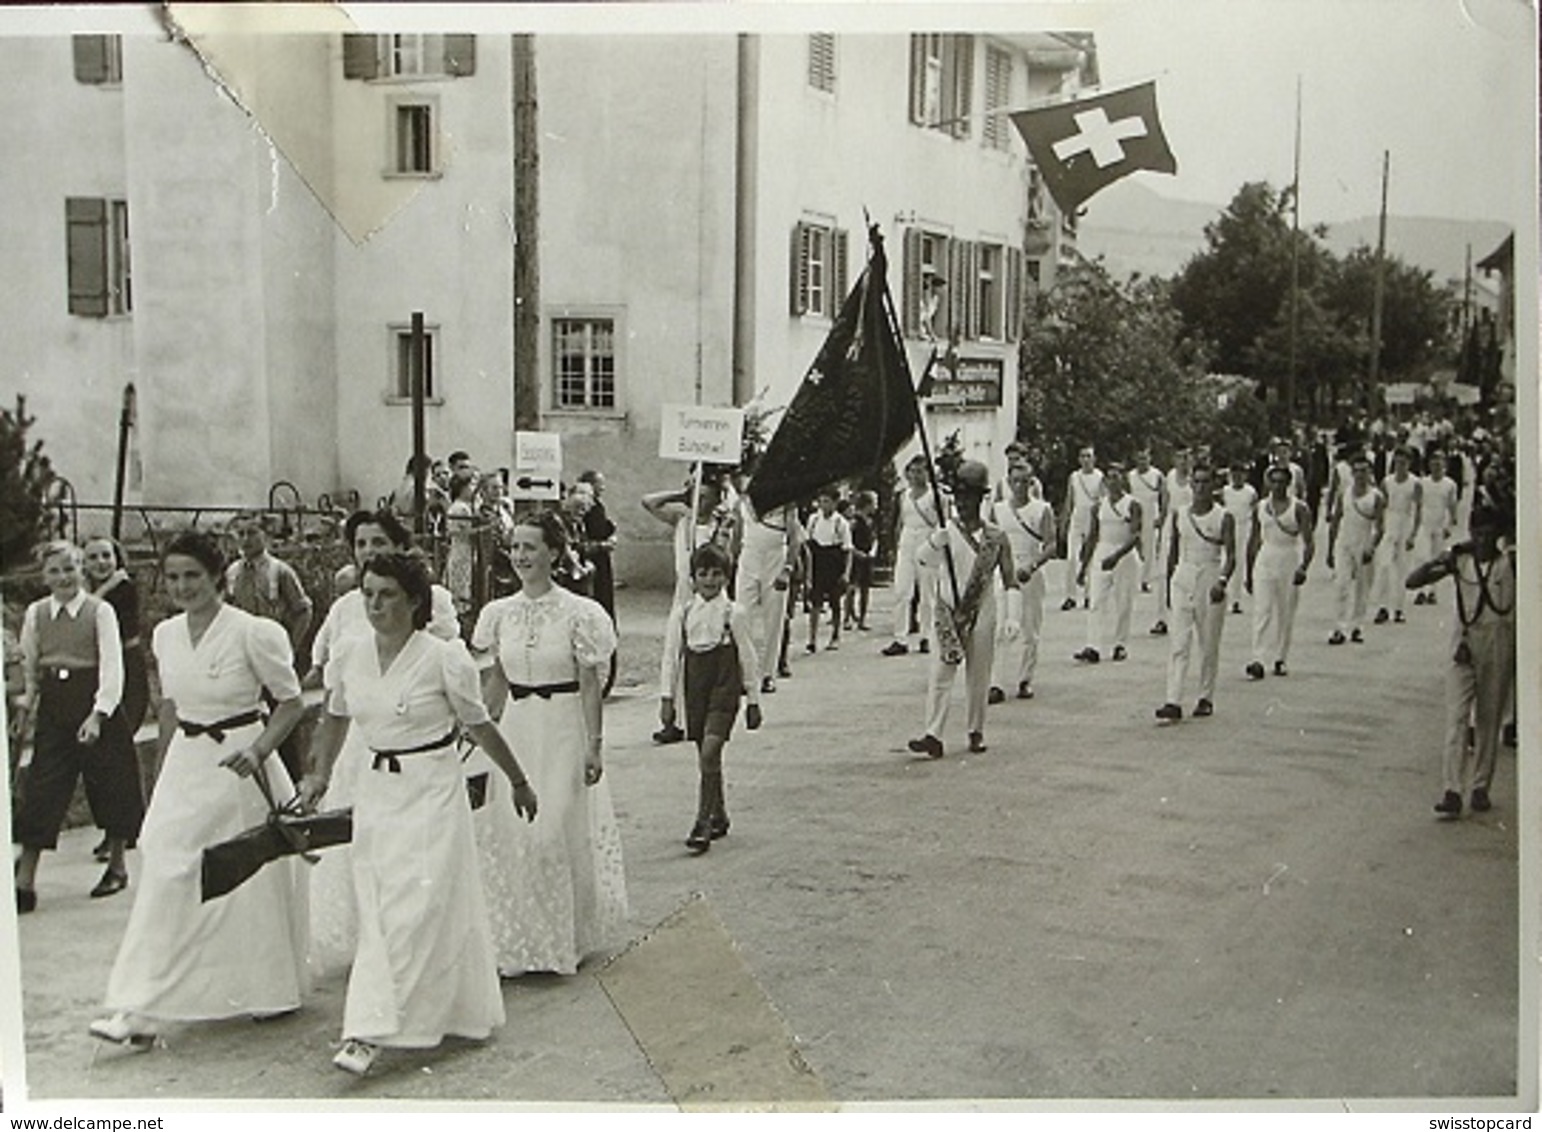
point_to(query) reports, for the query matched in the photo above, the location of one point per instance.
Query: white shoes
(355, 1056)
(121, 1030)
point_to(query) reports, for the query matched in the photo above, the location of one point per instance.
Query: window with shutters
(927, 310)
(414, 56)
(821, 62)
(997, 127)
(818, 269)
(414, 137)
(942, 82)
(403, 364)
(584, 363)
(98, 59)
(990, 290)
(97, 257)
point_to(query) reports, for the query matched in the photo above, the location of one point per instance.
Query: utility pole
(417, 355)
(1295, 262)
(527, 259)
(1381, 272)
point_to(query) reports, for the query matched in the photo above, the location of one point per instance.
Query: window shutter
(918, 79)
(1012, 326)
(797, 290)
(85, 224)
(963, 85)
(957, 328)
(460, 55)
(91, 58)
(838, 270)
(911, 299)
(361, 56)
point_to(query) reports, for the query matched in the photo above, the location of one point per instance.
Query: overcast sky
(1445, 86)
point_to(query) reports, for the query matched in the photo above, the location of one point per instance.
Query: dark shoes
(1236, 607)
(1087, 656)
(1279, 668)
(1119, 653)
(977, 742)
(1338, 638)
(925, 647)
(1067, 605)
(26, 900)
(112, 882)
(996, 696)
(700, 839)
(1255, 671)
(1169, 711)
(1356, 637)
(669, 734)
(102, 853)
(894, 648)
(1397, 618)
(783, 671)
(1480, 802)
(928, 745)
(1381, 616)
(1203, 708)
(1024, 691)
(1159, 629)
(1450, 806)
(718, 826)
(767, 685)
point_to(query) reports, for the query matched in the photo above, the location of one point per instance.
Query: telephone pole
(527, 259)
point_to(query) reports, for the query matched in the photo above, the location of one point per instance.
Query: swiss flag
(1088, 143)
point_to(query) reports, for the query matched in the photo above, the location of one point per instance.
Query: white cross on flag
(1086, 144)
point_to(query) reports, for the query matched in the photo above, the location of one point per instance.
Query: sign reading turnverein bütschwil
(698, 434)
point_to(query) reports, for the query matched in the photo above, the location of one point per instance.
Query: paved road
(1258, 905)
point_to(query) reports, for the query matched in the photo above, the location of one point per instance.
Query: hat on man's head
(973, 476)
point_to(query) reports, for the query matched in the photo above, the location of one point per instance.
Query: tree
(26, 478)
(1109, 365)
(1415, 313)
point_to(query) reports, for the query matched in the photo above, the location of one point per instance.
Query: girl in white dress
(243, 953)
(546, 650)
(334, 927)
(424, 964)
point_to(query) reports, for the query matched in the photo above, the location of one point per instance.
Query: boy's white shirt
(700, 622)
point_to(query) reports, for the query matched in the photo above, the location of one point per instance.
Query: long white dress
(565, 896)
(423, 967)
(334, 924)
(242, 953)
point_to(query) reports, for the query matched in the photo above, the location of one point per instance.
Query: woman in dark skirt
(106, 571)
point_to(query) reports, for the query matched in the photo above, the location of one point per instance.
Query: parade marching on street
(1101, 905)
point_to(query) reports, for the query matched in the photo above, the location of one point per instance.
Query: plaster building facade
(243, 234)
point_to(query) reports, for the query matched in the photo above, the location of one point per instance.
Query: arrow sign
(528, 483)
(537, 471)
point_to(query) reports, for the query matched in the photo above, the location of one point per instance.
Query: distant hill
(1136, 229)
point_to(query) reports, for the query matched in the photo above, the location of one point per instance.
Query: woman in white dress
(546, 650)
(243, 953)
(334, 928)
(423, 968)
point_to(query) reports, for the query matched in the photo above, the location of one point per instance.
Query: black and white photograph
(756, 557)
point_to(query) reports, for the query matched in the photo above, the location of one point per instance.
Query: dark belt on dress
(390, 759)
(60, 673)
(545, 691)
(216, 730)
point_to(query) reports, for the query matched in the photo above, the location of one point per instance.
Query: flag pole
(915, 407)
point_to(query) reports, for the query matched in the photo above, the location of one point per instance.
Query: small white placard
(537, 470)
(691, 432)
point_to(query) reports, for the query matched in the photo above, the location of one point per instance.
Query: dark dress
(598, 527)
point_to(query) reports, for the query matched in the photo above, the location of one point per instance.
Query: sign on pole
(700, 435)
(537, 471)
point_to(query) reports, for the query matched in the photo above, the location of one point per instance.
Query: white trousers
(755, 589)
(1015, 660)
(1195, 618)
(1113, 599)
(979, 646)
(1478, 693)
(1076, 534)
(909, 575)
(1352, 576)
(1274, 615)
(1393, 565)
